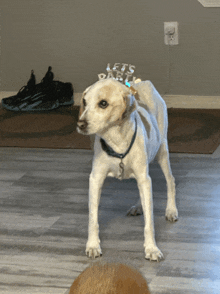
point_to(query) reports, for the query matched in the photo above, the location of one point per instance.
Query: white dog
(130, 133)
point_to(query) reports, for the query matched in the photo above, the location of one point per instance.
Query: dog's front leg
(152, 252)
(93, 248)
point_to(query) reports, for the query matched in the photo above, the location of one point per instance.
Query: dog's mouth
(83, 132)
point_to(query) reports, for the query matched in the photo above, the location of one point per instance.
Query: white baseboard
(210, 3)
(185, 101)
(77, 98)
(175, 101)
(4, 94)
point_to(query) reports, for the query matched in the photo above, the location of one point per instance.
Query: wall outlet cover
(171, 33)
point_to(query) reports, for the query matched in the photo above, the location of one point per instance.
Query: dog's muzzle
(82, 125)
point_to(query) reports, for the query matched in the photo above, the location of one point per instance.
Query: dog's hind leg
(135, 209)
(164, 162)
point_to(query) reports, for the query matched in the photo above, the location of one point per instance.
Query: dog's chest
(120, 169)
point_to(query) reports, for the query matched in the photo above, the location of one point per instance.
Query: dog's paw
(93, 251)
(153, 253)
(171, 215)
(135, 210)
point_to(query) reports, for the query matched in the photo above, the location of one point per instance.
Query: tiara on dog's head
(121, 72)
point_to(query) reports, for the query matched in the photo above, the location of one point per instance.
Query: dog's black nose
(82, 124)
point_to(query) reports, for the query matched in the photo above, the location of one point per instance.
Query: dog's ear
(82, 106)
(130, 104)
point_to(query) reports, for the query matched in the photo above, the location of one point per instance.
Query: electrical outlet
(171, 34)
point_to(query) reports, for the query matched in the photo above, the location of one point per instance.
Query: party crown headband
(119, 73)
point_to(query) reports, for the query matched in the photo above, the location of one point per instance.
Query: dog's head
(104, 104)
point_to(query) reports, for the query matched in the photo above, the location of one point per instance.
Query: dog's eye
(103, 104)
(84, 102)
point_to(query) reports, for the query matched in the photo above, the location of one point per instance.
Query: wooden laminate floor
(44, 217)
